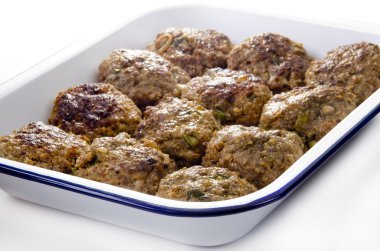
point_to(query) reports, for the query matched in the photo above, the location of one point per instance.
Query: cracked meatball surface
(45, 146)
(200, 183)
(125, 162)
(257, 155)
(144, 76)
(193, 50)
(95, 110)
(355, 67)
(310, 111)
(235, 97)
(273, 57)
(180, 128)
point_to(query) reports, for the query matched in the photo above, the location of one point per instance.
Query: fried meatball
(125, 162)
(310, 111)
(193, 50)
(200, 183)
(257, 155)
(354, 66)
(45, 146)
(95, 110)
(180, 127)
(235, 97)
(275, 58)
(144, 76)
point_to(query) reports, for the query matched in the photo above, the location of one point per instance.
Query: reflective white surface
(337, 209)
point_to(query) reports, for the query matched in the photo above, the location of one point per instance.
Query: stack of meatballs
(195, 118)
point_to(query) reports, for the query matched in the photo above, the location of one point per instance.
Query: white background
(337, 209)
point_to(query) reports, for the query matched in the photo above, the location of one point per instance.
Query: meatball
(354, 66)
(257, 155)
(235, 97)
(200, 183)
(124, 162)
(180, 128)
(193, 50)
(310, 111)
(144, 76)
(45, 146)
(275, 58)
(95, 110)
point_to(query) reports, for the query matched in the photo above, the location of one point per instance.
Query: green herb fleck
(311, 143)
(220, 115)
(302, 119)
(179, 41)
(222, 177)
(195, 193)
(251, 96)
(191, 140)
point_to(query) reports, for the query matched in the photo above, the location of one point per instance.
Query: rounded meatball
(354, 66)
(45, 146)
(144, 76)
(202, 184)
(127, 163)
(235, 97)
(95, 110)
(310, 111)
(180, 128)
(257, 155)
(275, 58)
(193, 50)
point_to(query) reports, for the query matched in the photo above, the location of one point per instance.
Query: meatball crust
(180, 128)
(354, 66)
(202, 184)
(310, 111)
(45, 146)
(127, 163)
(275, 58)
(257, 155)
(144, 76)
(95, 110)
(193, 50)
(235, 97)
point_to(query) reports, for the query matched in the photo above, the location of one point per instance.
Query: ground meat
(310, 111)
(274, 58)
(257, 155)
(235, 97)
(354, 66)
(181, 128)
(125, 162)
(95, 110)
(193, 50)
(200, 183)
(144, 76)
(45, 146)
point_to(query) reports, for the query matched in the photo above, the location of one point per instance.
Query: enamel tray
(29, 97)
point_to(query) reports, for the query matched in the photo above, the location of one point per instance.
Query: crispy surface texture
(273, 57)
(355, 67)
(257, 155)
(200, 183)
(95, 110)
(144, 76)
(191, 49)
(45, 146)
(235, 97)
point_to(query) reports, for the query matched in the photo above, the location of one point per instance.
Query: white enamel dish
(29, 97)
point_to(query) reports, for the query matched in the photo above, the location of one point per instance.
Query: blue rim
(180, 212)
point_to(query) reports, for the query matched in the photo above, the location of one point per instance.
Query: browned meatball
(144, 76)
(124, 162)
(200, 183)
(354, 66)
(311, 112)
(257, 155)
(193, 50)
(95, 110)
(275, 58)
(181, 128)
(45, 146)
(235, 97)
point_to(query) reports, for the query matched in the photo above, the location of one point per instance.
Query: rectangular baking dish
(28, 97)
